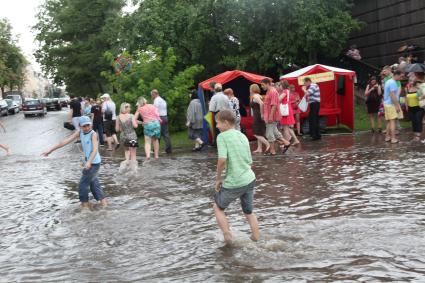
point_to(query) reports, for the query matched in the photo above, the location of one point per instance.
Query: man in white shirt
(219, 101)
(161, 105)
(109, 120)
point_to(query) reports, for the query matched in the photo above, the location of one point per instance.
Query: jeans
(165, 134)
(314, 120)
(416, 115)
(98, 127)
(89, 179)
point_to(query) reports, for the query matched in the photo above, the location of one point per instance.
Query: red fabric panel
(333, 105)
(231, 75)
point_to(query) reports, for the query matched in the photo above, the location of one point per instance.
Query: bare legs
(224, 225)
(148, 141)
(372, 121)
(297, 119)
(5, 148)
(390, 134)
(260, 141)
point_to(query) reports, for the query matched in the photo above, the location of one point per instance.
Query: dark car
(34, 107)
(3, 108)
(12, 106)
(53, 104)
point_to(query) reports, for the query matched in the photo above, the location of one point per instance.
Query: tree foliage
(73, 36)
(12, 61)
(259, 36)
(154, 69)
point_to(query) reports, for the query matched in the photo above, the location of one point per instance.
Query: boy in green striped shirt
(234, 154)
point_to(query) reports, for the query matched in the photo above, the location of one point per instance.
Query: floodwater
(347, 209)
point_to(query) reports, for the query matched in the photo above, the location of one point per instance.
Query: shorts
(246, 194)
(391, 112)
(152, 129)
(272, 133)
(109, 128)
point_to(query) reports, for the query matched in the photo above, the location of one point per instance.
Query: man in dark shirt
(97, 118)
(75, 112)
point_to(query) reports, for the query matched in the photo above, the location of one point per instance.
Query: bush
(153, 70)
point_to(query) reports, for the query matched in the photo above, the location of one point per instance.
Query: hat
(105, 95)
(84, 120)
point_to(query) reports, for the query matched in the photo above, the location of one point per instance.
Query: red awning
(231, 75)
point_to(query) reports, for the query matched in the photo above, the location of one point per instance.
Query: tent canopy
(231, 75)
(336, 91)
(318, 68)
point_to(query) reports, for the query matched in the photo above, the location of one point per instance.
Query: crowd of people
(399, 94)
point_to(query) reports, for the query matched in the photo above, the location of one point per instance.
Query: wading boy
(234, 154)
(89, 143)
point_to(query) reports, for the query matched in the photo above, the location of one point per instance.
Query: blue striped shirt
(313, 93)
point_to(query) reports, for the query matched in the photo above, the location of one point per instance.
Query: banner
(317, 78)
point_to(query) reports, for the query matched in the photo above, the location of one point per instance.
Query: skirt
(152, 129)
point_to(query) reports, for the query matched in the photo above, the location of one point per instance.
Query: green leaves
(155, 69)
(12, 61)
(73, 37)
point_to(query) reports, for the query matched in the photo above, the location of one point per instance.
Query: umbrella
(416, 68)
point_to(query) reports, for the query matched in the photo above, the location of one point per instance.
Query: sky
(21, 15)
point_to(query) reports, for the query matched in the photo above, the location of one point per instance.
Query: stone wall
(389, 25)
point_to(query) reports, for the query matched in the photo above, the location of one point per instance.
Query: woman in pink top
(151, 126)
(287, 122)
(295, 100)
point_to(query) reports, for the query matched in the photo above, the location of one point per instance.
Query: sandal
(285, 148)
(387, 139)
(394, 141)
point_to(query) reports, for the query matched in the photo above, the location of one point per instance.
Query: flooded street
(349, 208)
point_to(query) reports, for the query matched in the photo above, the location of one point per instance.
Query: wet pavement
(347, 208)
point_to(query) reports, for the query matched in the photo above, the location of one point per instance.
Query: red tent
(336, 90)
(239, 81)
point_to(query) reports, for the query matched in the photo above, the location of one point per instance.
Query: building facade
(389, 25)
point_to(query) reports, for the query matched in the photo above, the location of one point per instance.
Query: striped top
(313, 93)
(233, 146)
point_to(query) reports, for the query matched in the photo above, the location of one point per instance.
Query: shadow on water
(348, 208)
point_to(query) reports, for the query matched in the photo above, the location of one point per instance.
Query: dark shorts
(109, 128)
(246, 194)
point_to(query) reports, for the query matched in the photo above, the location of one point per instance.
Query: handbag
(284, 108)
(302, 105)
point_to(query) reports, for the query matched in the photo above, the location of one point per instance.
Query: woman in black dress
(373, 95)
(258, 126)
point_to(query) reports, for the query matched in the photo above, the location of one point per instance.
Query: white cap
(105, 95)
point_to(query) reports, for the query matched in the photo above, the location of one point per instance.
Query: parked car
(53, 104)
(3, 108)
(15, 97)
(34, 107)
(12, 106)
(63, 101)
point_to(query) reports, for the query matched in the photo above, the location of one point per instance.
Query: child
(3, 146)
(234, 154)
(89, 143)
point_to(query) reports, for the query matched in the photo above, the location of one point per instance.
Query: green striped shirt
(234, 147)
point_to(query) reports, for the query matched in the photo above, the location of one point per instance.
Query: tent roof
(311, 69)
(231, 75)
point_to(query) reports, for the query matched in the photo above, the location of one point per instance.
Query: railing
(363, 70)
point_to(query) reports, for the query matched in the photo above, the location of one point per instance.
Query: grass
(362, 121)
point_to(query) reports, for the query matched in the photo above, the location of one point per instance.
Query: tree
(259, 36)
(12, 61)
(154, 69)
(73, 36)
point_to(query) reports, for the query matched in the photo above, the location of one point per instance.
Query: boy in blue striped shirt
(89, 142)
